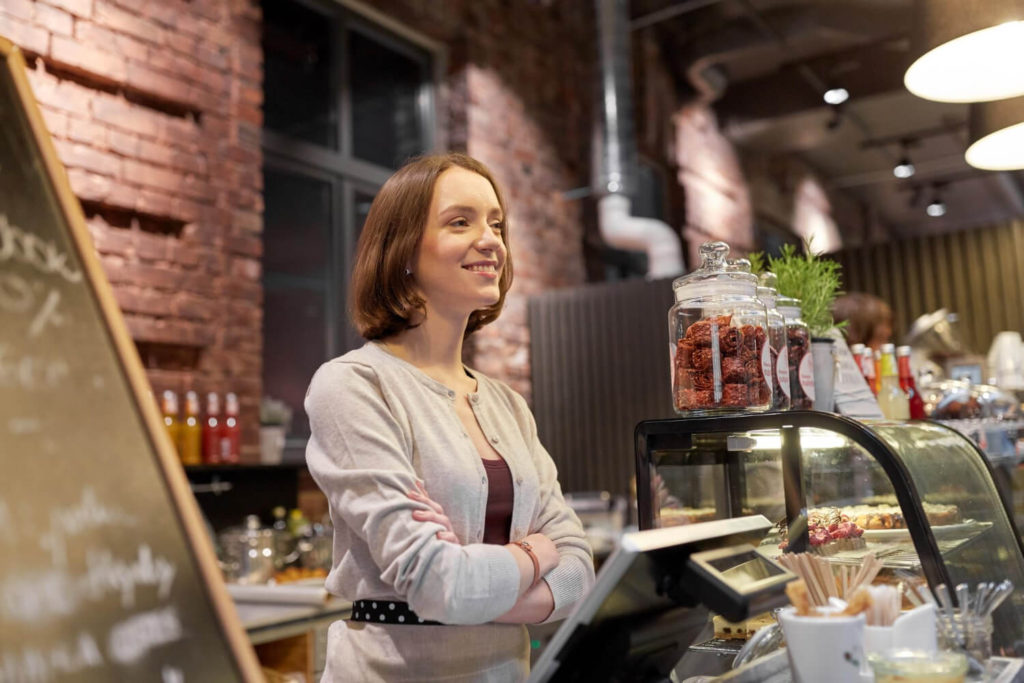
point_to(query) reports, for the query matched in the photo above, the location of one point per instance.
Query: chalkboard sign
(105, 570)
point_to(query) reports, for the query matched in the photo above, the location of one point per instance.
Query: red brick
(19, 9)
(56, 122)
(153, 202)
(56, 21)
(131, 48)
(118, 112)
(75, 155)
(119, 20)
(90, 33)
(152, 247)
(193, 307)
(134, 299)
(110, 240)
(80, 8)
(125, 144)
(182, 43)
(26, 36)
(89, 186)
(80, 57)
(86, 132)
(154, 277)
(152, 82)
(246, 268)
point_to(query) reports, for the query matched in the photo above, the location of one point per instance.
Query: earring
(408, 272)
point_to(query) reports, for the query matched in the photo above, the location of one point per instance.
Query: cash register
(652, 598)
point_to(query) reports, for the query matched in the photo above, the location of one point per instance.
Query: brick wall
(155, 110)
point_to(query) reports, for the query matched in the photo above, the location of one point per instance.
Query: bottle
(857, 350)
(298, 525)
(877, 359)
(230, 431)
(717, 336)
(169, 409)
(191, 432)
(211, 430)
(866, 361)
(908, 384)
(891, 398)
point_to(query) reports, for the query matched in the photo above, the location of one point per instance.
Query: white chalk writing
(106, 574)
(18, 295)
(19, 426)
(131, 639)
(31, 373)
(38, 665)
(37, 596)
(19, 245)
(81, 517)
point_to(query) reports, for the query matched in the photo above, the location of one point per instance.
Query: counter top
(265, 622)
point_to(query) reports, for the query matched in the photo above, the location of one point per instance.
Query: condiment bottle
(891, 397)
(211, 430)
(230, 431)
(717, 331)
(867, 367)
(801, 364)
(191, 432)
(907, 383)
(169, 409)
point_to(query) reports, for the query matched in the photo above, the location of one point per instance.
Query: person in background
(868, 318)
(451, 531)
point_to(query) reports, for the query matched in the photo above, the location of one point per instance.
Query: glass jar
(798, 345)
(717, 331)
(779, 367)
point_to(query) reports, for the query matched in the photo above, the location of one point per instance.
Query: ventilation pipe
(615, 147)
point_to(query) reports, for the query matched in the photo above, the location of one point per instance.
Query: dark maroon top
(498, 519)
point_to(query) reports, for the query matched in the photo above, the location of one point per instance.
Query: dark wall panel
(599, 365)
(978, 274)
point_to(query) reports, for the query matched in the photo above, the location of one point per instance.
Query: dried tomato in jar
(717, 330)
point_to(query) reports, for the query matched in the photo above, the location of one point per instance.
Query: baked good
(742, 630)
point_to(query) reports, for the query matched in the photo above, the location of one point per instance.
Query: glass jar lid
(715, 276)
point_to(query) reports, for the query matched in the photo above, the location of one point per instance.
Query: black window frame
(347, 175)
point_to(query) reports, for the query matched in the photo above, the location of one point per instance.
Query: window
(345, 104)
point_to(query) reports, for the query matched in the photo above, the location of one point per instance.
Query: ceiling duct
(615, 152)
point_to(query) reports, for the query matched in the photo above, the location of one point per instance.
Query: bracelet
(528, 549)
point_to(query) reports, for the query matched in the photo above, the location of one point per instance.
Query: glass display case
(922, 494)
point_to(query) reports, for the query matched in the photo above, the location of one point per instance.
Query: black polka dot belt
(387, 612)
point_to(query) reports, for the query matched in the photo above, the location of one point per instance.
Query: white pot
(824, 373)
(271, 444)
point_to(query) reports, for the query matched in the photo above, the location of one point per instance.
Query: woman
(450, 527)
(868, 318)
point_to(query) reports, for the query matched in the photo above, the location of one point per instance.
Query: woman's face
(460, 257)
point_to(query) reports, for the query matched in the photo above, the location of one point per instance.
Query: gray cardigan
(378, 424)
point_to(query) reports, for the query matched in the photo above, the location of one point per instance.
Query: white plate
(945, 531)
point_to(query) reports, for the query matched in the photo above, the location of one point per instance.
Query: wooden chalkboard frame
(185, 507)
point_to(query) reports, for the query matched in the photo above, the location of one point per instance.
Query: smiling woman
(451, 531)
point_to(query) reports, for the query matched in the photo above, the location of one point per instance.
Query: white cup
(823, 648)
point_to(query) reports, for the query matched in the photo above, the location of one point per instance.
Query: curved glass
(920, 496)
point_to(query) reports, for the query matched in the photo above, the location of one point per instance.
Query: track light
(936, 207)
(836, 96)
(904, 168)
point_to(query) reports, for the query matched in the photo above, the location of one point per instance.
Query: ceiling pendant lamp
(970, 50)
(996, 135)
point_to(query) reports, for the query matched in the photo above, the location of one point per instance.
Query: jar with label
(779, 366)
(718, 339)
(798, 345)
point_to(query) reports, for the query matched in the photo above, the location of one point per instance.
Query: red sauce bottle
(908, 385)
(211, 430)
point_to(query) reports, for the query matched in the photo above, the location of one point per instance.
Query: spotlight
(936, 207)
(835, 96)
(904, 169)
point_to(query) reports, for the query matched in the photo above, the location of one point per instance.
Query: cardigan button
(474, 398)
(519, 480)
(483, 480)
(494, 439)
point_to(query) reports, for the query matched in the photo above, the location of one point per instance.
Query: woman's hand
(545, 550)
(434, 514)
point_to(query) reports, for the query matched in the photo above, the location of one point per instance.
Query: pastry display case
(918, 495)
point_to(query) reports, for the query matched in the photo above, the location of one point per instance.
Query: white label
(782, 372)
(766, 366)
(806, 374)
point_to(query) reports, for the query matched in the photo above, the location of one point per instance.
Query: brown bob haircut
(383, 297)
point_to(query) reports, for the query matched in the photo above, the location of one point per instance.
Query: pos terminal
(652, 596)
